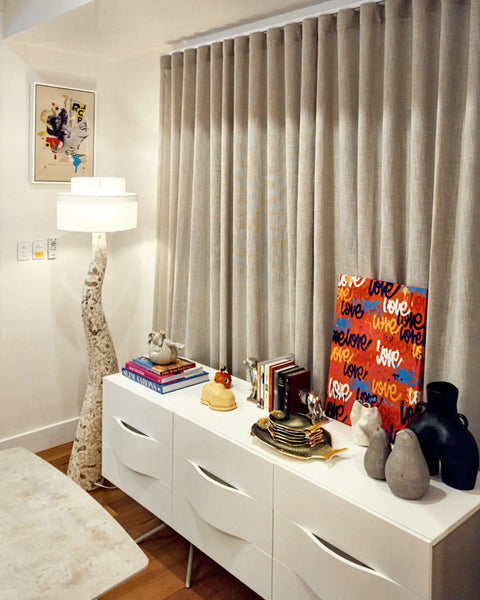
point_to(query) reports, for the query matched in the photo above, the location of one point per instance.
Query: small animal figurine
(251, 364)
(216, 396)
(223, 376)
(312, 401)
(160, 350)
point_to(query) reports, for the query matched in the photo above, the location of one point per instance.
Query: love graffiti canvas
(378, 350)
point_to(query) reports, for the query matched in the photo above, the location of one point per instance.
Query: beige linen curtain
(344, 144)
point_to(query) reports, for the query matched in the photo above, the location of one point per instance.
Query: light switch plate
(38, 249)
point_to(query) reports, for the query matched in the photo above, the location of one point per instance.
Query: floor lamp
(97, 205)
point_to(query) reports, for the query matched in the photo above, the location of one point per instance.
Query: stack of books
(176, 375)
(280, 381)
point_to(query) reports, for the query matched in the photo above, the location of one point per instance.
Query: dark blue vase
(444, 437)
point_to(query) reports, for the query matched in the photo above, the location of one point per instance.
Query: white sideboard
(287, 528)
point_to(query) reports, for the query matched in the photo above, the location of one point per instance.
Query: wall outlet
(24, 250)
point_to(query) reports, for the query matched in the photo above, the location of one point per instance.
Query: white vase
(365, 420)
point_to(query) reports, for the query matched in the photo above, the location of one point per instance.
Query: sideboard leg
(143, 537)
(188, 578)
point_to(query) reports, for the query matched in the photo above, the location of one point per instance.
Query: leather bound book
(295, 382)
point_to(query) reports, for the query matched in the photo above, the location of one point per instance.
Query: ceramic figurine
(251, 364)
(223, 376)
(406, 470)
(377, 454)
(312, 402)
(217, 397)
(365, 420)
(160, 350)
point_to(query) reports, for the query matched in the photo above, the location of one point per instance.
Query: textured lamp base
(85, 466)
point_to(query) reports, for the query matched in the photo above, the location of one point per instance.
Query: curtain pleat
(369, 158)
(305, 195)
(344, 144)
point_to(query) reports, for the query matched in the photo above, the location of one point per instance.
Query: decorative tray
(289, 439)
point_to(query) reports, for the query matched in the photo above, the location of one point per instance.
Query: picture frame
(63, 144)
(378, 350)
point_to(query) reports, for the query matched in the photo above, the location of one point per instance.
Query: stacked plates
(295, 429)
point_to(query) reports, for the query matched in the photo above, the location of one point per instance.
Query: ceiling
(120, 29)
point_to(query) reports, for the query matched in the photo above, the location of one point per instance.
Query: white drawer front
(318, 572)
(226, 508)
(138, 451)
(155, 495)
(222, 503)
(316, 515)
(238, 555)
(237, 466)
(137, 448)
(152, 419)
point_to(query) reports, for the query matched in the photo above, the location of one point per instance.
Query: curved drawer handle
(340, 553)
(336, 552)
(130, 428)
(215, 478)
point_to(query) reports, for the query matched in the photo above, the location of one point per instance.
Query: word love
(395, 307)
(339, 391)
(353, 340)
(406, 376)
(342, 355)
(347, 280)
(388, 357)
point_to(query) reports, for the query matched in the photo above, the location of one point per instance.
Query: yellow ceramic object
(217, 397)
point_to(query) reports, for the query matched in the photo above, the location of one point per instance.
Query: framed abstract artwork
(378, 350)
(63, 133)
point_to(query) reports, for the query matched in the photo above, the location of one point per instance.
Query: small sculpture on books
(162, 351)
(251, 364)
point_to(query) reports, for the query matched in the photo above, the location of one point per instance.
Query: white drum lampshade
(97, 204)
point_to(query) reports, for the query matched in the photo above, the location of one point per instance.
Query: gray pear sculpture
(406, 470)
(377, 454)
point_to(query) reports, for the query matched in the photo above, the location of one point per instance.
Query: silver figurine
(251, 364)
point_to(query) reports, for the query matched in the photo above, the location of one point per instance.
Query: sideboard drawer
(317, 571)
(222, 502)
(381, 559)
(137, 448)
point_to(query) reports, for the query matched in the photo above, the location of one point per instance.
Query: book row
(279, 383)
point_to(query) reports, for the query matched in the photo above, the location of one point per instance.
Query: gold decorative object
(295, 435)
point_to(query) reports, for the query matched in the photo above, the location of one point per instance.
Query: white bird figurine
(160, 350)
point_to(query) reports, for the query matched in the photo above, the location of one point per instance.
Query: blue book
(164, 388)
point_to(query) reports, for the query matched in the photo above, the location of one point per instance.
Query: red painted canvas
(378, 350)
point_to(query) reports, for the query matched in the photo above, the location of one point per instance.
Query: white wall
(42, 346)
(21, 14)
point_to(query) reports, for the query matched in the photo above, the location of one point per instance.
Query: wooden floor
(164, 578)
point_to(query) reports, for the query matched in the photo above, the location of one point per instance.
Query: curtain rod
(262, 25)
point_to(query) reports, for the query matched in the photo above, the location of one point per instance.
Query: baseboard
(44, 437)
